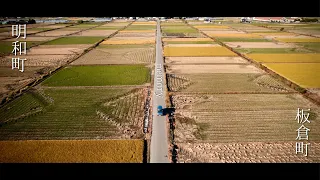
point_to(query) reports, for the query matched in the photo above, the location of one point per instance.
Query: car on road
(160, 111)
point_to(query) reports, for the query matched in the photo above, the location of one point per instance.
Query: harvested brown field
(134, 34)
(8, 83)
(117, 56)
(197, 51)
(211, 26)
(204, 60)
(138, 31)
(251, 152)
(72, 151)
(259, 45)
(185, 39)
(95, 33)
(275, 34)
(194, 69)
(230, 118)
(286, 36)
(193, 45)
(223, 32)
(235, 35)
(56, 33)
(117, 22)
(259, 30)
(130, 40)
(56, 26)
(39, 60)
(58, 49)
(225, 83)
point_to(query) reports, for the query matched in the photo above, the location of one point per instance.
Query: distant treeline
(29, 21)
(309, 20)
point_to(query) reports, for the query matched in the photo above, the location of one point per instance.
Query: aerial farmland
(229, 106)
(235, 90)
(94, 96)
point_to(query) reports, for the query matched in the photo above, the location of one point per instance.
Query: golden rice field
(144, 23)
(236, 35)
(185, 39)
(304, 74)
(72, 151)
(285, 58)
(206, 26)
(294, 40)
(197, 51)
(137, 41)
(137, 31)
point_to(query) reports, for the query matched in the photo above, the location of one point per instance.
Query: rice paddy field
(227, 110)
(197, 51)
(88, 103)
(100, 76)
(72, 151)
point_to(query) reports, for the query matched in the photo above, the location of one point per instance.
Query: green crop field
(107, 28)
(70, 115)
(75, 40)
(315, 47)
(29, 103)
(6, 46)
(100, 76)
(271, 50)
(226, 83)
(84, 25)
(179, 30)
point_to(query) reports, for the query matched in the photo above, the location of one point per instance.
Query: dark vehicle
(160, 111)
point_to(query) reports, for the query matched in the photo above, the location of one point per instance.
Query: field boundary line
(313, 97)
(16, 93)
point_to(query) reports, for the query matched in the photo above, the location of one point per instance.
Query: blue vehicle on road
(160, 111)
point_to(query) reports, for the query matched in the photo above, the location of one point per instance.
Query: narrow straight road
(159, 138)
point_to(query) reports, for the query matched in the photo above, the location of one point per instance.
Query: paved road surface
(159, 138)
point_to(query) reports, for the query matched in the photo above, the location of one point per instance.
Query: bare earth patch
(199, 60)
(39, 60)
(135, 34)
(8, 84)
(190, 69)
(117, 56)
(259, 45)
(58, 49)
